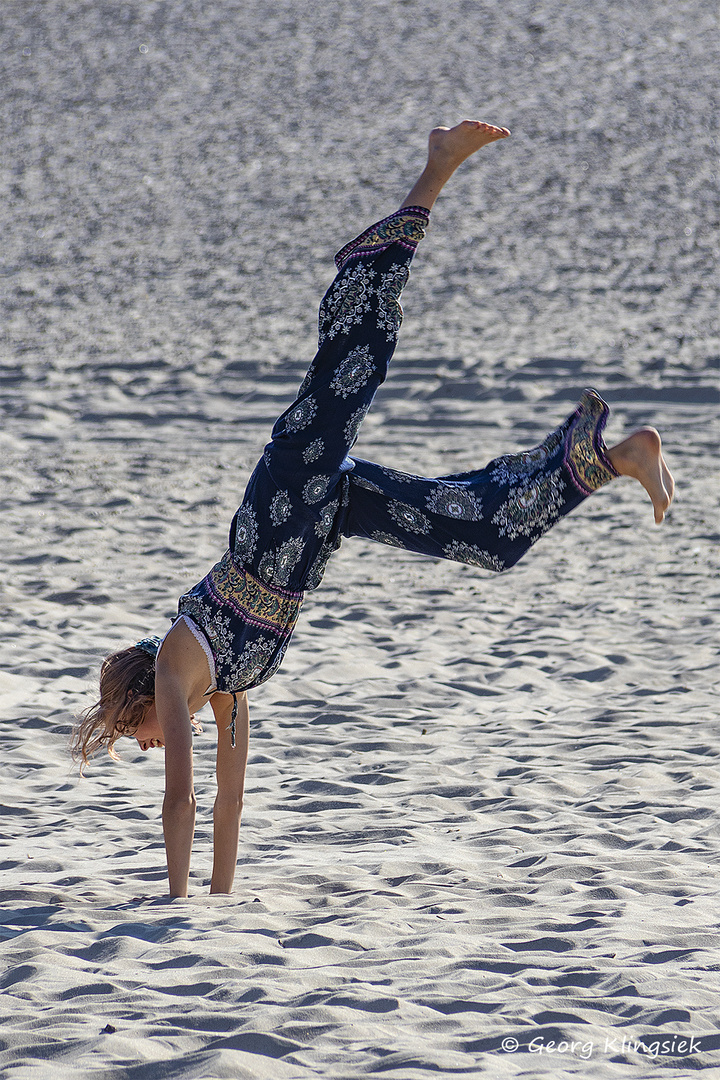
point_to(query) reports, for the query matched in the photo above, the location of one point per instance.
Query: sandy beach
(481, 833)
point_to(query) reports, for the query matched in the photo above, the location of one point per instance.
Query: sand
(479, 808)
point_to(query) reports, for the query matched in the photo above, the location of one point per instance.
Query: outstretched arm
(181, 678)
(231, 764)
(178, 813)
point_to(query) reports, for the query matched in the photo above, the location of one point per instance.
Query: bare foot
(447, 149)
(640, 456)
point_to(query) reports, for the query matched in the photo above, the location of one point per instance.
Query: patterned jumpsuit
(307, 493)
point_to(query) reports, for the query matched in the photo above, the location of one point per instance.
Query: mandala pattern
(327, 518)
(301, 415)
(345, 303)
(513, 467)
(313, 451)
(387, 538)
(455, 502)
(409, 517)
(276, 566)
(353, 373)
(368, 485)
(390, 313)
(246, 532)
(280, 507)
(316, 489)
(352, 427)
(471, 553)
(532, 507)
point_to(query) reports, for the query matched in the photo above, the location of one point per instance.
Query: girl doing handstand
(306, 493)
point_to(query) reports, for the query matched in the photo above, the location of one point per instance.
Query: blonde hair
(127, 688)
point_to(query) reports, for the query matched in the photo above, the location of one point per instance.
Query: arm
(178, 813)
(230, 771)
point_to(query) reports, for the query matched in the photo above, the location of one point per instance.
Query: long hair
(127, 688)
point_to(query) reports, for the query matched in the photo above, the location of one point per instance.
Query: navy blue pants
(306, 492)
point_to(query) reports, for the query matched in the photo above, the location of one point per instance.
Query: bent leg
(492, 516)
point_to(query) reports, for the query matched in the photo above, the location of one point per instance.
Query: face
(149, 734)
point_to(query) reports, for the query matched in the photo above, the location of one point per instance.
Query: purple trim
(355, 248)
(598, 441)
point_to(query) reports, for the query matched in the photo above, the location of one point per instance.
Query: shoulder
(182, 657)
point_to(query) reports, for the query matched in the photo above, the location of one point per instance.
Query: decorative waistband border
(269, 607)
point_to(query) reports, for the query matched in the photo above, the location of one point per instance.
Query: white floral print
(476, 556)
(316, 489)
(280, 507)
(313, 451)
(301, 415)
(408, 516)
(531, 507)
(353, 372)
(276, 566)
(455, 502)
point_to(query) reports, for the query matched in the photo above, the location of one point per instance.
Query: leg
(640, 455)
(360, 315)
(491, 517)
(364, 298)
(293, 508)
(288, 517)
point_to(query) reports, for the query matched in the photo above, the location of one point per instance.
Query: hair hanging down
(127, 687)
